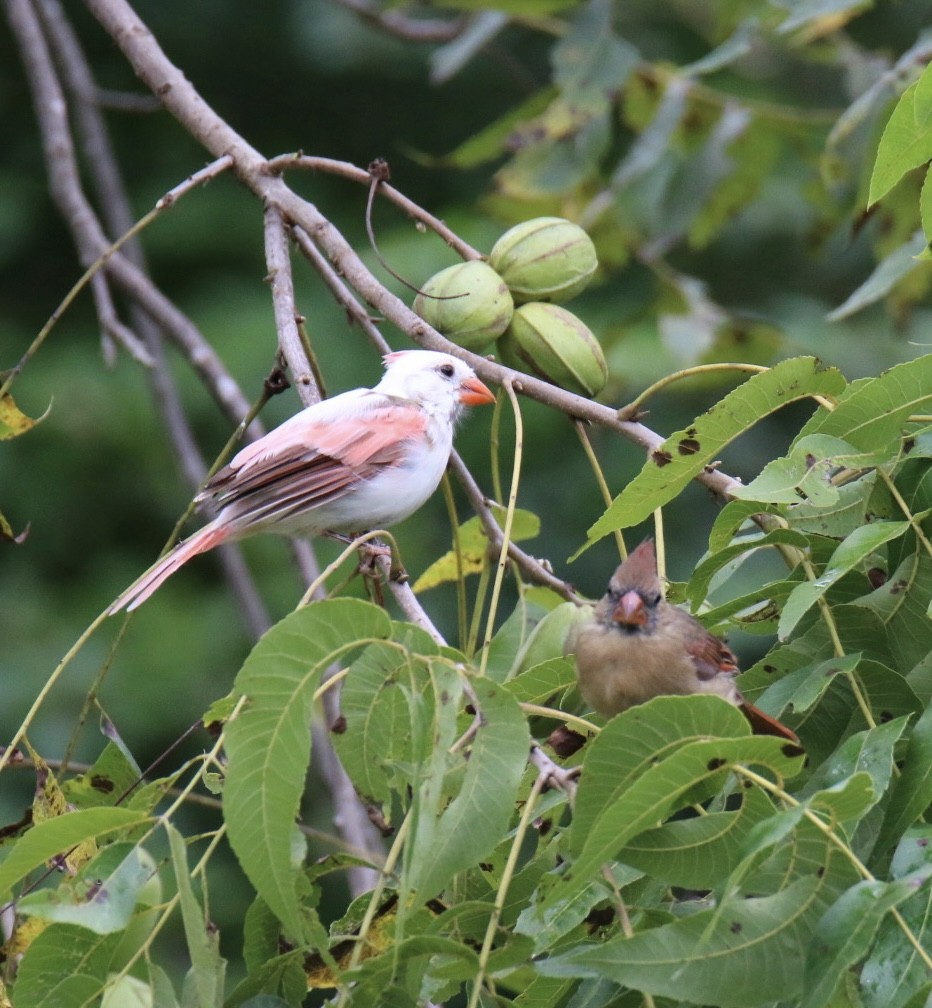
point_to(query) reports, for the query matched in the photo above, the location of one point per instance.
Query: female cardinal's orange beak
(630, 611)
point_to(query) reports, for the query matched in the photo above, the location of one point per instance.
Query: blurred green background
(98, 486)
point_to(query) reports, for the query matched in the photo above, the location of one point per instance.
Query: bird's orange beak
(474, 393)
(630, 610)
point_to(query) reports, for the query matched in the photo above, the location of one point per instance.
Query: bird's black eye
(447, 370)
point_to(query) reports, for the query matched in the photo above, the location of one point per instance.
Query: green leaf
(163, 990)
(540, 682)
(872, 412)
(707, 568)
(377, 716)
(906, 142)
(738, 954)
(620, 797)
(546, 919)
(475, 821)
(64, 967)
(805, 473)
(112, 775)
(492, 141)
(894, 971)
(885, 276)
(544, 992)
(685, 454)
(698, 853)
(912, 792)
(103, 896)
(838, 520)
(868, 751)
(638, 739)
(858, 546)
(269, 742)
(55, 836)
(845, 932)
(127, 992)
(800, 689)
(552, 638)
(203, 939)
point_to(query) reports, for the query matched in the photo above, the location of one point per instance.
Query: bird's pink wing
(309, 462)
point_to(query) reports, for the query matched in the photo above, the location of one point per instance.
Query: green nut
(552, 343)
(544, 259)
(468, 303)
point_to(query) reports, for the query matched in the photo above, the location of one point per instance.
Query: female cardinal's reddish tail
(639, 646)
(362, 460)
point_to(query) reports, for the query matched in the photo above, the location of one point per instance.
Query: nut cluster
(532, 266)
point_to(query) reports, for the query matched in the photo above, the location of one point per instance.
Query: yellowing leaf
(473, 546)
(13, 421)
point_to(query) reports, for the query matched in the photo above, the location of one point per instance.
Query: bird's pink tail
(143, 587)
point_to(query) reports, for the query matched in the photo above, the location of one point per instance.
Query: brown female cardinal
(639, 646)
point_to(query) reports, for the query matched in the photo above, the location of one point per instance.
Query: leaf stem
(829, 833)
(600, 480)
(558, 715)
(634, 407)
(825, 611)
(907, 512)
(507, 874)
(462, 615)
(506, 528)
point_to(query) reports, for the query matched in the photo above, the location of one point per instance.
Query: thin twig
(347, 170)
(278, 261)
(396, 23)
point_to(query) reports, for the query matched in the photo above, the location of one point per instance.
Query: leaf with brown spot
(665, 476)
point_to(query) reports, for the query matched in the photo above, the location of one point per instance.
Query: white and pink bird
(365, 459)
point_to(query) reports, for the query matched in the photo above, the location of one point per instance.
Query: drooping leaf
(64, 967)
(754, 945)
(539, 682)
(859, 545)
(845, 932)
(547, 920)
(637, 740)
(906, 142)
(697, 853)
(13, 421)
(56, 836)
(268, 743)
(869, 751)
(707, 568)
(686, 453)
(376, 732)
(475, 821)
(894, 972)
(634, 776)
(107, 781)
(207, 965)
(872, 412)
(102, 898)
(805, 473)
(912, 791)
